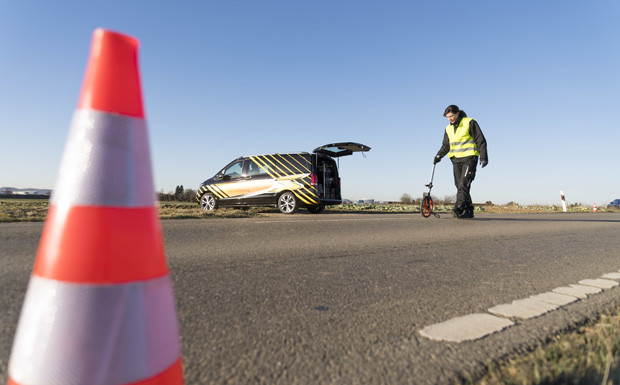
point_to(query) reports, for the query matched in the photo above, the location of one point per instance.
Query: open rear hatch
(328, 180)
(336, 150)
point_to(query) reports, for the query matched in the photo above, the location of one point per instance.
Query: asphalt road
(341, 298)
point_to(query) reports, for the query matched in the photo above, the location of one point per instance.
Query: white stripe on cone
(94, 334)
(106, 162)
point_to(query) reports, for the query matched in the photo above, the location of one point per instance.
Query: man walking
(464, 143)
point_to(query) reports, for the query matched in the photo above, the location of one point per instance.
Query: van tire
(208, 202)
(287, 203)
(316, 209)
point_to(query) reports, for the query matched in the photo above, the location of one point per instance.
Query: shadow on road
(328, 212)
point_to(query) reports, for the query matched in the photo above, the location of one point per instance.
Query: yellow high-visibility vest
(461, 142)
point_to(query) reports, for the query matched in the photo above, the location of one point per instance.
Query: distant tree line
(180, 195)
(407, 199)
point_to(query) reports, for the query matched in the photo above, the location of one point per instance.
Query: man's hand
(437, 159)
(483, 163)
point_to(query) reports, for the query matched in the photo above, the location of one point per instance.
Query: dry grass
(31, 210)
(529, 209)
(172, 210)
(27, 210)
(588, 355)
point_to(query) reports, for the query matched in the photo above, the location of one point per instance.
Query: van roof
(278, 153)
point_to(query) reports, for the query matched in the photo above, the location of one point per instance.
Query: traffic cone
(99, 308)
(595, 209)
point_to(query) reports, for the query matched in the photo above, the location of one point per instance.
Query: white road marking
(466, 328)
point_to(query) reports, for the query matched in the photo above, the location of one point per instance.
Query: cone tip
(112, 79)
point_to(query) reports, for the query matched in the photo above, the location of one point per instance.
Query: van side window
(234, 170)
(255, 169)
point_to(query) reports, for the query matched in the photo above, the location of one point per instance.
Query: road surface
(341, 298)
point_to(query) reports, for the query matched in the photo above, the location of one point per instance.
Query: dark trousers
(464, 174)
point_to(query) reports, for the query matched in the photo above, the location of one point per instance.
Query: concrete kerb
(578, 291)
(473, 357)
(475, 326)
(466, 328)
(613, 275)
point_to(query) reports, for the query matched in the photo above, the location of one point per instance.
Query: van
(286, 181)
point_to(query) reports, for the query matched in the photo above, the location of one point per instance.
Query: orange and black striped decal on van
(293, 173)
(282, 165)
(287, 172)
(213, 189)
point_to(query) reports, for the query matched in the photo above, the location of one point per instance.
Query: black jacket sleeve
(445, 146)
(481, 142)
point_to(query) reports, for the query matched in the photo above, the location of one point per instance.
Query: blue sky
(222, 79)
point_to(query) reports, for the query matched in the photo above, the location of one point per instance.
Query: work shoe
(468, 214)
(456, 212)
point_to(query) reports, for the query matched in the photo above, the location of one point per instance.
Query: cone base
(171, 376)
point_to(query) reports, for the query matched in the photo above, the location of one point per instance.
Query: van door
(230, 183)
(328, 180)
(260, 182)
(336, 150)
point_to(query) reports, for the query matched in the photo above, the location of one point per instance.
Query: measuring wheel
(426, 206)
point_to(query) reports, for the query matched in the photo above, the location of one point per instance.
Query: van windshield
(234, 170)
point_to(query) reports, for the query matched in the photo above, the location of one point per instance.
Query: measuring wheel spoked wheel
(427, 206)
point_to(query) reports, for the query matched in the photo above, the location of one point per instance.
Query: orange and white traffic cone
(99, 308)
(595, 209)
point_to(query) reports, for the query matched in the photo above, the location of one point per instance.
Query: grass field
(23, 210)
(588, 355)
(32, 210)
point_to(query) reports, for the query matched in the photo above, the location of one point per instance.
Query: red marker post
(563, 201)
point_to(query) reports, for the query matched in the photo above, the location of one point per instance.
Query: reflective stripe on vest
(462, 144)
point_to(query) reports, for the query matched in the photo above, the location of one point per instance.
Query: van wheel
(316, 209)
(208, 202)
(287, 203)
